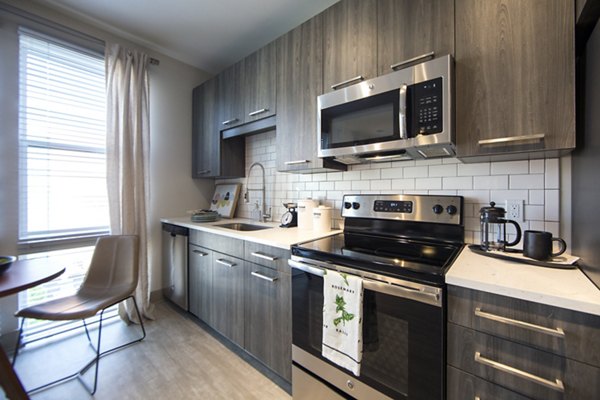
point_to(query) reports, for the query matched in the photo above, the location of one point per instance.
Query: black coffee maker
(493, 229)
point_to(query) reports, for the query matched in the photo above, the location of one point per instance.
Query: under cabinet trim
(556, 332)
(557, 384)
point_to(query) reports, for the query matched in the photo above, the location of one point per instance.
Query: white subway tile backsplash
(510, 167)
(552, 227)
(533, 181)
(536, 182)
(490, 182)
(552, 177)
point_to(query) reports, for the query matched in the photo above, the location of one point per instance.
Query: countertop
(282, 238)
(566, 288)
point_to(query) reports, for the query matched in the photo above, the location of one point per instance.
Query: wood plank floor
(177, 360)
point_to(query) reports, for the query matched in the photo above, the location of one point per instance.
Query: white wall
(537, 182)
(172, 190)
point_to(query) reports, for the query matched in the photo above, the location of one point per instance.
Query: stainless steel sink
(240, 226)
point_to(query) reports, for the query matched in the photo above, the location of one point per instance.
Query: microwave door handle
(402, 115)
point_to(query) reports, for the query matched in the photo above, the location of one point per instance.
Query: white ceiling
(207, 34)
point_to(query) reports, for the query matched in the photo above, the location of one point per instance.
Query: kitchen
(543, 185)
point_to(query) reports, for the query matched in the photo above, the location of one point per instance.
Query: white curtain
(128, 141)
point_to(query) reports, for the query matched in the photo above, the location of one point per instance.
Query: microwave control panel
(427, 105)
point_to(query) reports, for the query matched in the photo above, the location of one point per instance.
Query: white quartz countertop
(566, 288)
(282, 238)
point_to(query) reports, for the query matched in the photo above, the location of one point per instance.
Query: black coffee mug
(538, 245)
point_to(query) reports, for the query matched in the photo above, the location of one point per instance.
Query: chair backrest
(114, 265)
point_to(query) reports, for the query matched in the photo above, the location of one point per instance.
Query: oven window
(402, 339)
(370, 120)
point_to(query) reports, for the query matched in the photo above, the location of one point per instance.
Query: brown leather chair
(111, 279)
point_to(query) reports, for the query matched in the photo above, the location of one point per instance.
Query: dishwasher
(175, 264)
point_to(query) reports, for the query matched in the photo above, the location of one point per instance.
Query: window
(62, 160)
(62, 139)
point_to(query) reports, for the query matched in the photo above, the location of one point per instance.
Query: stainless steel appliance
(406, 114)
(493, 228)
(401, 246)
(175, 264)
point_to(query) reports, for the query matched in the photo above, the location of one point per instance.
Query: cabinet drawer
(223, 244)
(528, 371)
(271, 257)
(564, 332)
(463, 386)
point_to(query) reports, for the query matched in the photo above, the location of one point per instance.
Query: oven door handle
(421, 296)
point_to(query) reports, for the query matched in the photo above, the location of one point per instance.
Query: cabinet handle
(230, 121)
(403, 127)
(263, 277)
(225, 262)
(262, 110)
(200, 253)
(512, 139)
(263, 256)
(554, 385)
(296, 162)
(558, 332)
(204, 171)
(351, 80)
(412, 60)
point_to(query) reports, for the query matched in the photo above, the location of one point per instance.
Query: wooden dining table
(22, 274)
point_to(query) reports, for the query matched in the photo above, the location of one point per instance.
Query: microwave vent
(433, 152)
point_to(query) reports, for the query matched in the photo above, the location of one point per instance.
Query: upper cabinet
(407, 29)
(300, 81)
(231, 105)
(260, 80)
(515, 78)
(350, 43)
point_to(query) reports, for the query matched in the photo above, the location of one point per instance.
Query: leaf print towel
(342, 320)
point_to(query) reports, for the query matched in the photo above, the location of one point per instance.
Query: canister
(305, 213)
(322, 219)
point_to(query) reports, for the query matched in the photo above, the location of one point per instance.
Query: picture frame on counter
(225, 198)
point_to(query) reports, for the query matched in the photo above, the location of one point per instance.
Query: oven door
(403, 337)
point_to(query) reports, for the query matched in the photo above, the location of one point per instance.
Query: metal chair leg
(18, 345)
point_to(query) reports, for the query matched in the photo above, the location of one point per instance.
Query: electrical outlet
(514, 210)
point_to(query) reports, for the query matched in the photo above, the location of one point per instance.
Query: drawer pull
(200, 253)
(346, 82)
(263, 277)
(263, 256)
(204, 171)
(557, 332)
(262, 110)
(296, 162)
(412, 60)
(512, 139)
(554, 385)
(225, 262)
(230, 121)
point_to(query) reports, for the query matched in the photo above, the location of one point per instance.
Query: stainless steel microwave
(406, 114)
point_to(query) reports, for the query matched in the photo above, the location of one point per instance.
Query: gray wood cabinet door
(231, 102)
(300, 81)
(228, 297)
(205, 134)
(200, 282)
(260, 81)
(515, 77)
(411, 28)
(350, 42)
(268, 318)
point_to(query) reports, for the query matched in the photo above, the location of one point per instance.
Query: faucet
(263, 216)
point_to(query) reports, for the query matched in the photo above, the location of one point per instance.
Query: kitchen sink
(240, 226)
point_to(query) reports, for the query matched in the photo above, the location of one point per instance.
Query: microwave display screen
(364, 121)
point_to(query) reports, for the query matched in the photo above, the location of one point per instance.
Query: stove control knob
(451, 209)
(438, 209)
(347, 205)
(356, 205)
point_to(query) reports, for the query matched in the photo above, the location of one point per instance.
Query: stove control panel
(420, 208)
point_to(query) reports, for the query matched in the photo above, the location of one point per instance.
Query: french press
(493, 228)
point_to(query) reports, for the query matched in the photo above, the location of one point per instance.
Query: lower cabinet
(200, 282)
(228, 297)
(268, 318)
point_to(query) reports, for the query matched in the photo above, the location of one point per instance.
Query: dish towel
(342, 320)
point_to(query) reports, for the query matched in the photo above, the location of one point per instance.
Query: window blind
(62, 140)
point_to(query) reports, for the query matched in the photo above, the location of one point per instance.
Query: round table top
(24, 274)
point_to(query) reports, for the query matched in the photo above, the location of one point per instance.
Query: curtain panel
(127, 154)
